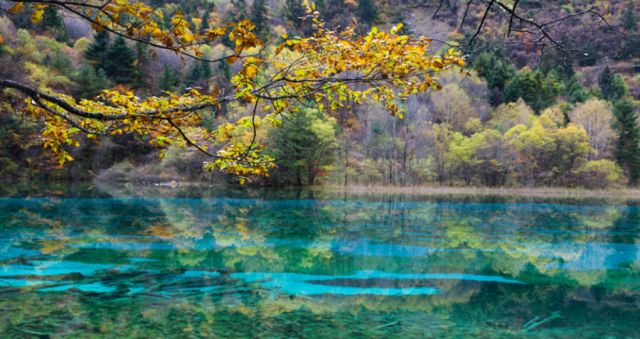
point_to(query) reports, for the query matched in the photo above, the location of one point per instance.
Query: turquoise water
(277, 265)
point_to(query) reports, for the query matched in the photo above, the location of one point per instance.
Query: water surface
(287, 265)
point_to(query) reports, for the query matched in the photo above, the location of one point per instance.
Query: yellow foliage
(17, 8)
(333, 69)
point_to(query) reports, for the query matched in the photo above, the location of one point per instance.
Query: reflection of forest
(581, 260)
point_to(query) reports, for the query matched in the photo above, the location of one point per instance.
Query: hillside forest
(511, 109)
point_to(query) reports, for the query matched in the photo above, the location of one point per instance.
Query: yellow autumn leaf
(19, 7)
(37, 16)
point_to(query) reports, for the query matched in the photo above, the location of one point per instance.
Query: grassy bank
(542, 192)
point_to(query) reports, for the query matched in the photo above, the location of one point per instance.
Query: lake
(178, 263)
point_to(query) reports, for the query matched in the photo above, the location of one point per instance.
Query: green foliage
(304, 146)
(119, 62)
(463, 155)
(452, 136)
(169, 80)
(240, 11)
(599, 174)
(544, 154)
(259, 17)
(88, 82)
(46, 77)
(199, 74)
(628, 18)
(294, 11)
(508, 115)
(368, 11)
(612, 87)
(497, 70)
(26, 47)
(536, 89)
(142, 59)
(96, 53)
(59, 62)
(627, 146)
(575, 92)
(52, 19)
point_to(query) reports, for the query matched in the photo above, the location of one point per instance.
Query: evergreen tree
(612, 87)
(304, 144)
(88, 82)
(224, 70)
(52, 22)
(60, 62)
(367, 11)
(321, 7)
(169, 81)
(120, 62)
(294, 12)
(199, 74)
(628, 18)
(142, 59)
(559, 62)
(575, 92)
(260, 19)
(627, 147)
(240, 10)
(96, 53)
(538, 91)
(204, 26)
(497, 70)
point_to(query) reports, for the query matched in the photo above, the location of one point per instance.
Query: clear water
(280, 265)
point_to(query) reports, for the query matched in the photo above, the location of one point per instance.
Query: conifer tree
(260, 19)
(52, 22)
(294, 12)
(367, 11)
(628, 18)
(627, 147)
(89, 82)
(611, 86)
(305, 143)
(168, 81)
(142, 59)
(97, 51)
(240, 10)
(199, 74)
(119, 62)
(537, 90)
(497, 70)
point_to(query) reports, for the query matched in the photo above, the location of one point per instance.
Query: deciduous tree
(596, 117)
(331, 69)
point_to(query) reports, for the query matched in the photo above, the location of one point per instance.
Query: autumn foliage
(330, 68)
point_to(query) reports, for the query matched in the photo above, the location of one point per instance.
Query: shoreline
(533, 192)
(358, 190)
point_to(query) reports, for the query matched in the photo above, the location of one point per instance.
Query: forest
(504, 100)
(319, 169)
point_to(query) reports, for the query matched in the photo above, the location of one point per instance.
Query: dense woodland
(519, 113)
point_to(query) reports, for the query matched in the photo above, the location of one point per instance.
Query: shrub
(599, 174)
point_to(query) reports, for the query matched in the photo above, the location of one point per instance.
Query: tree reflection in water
(269, 264)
